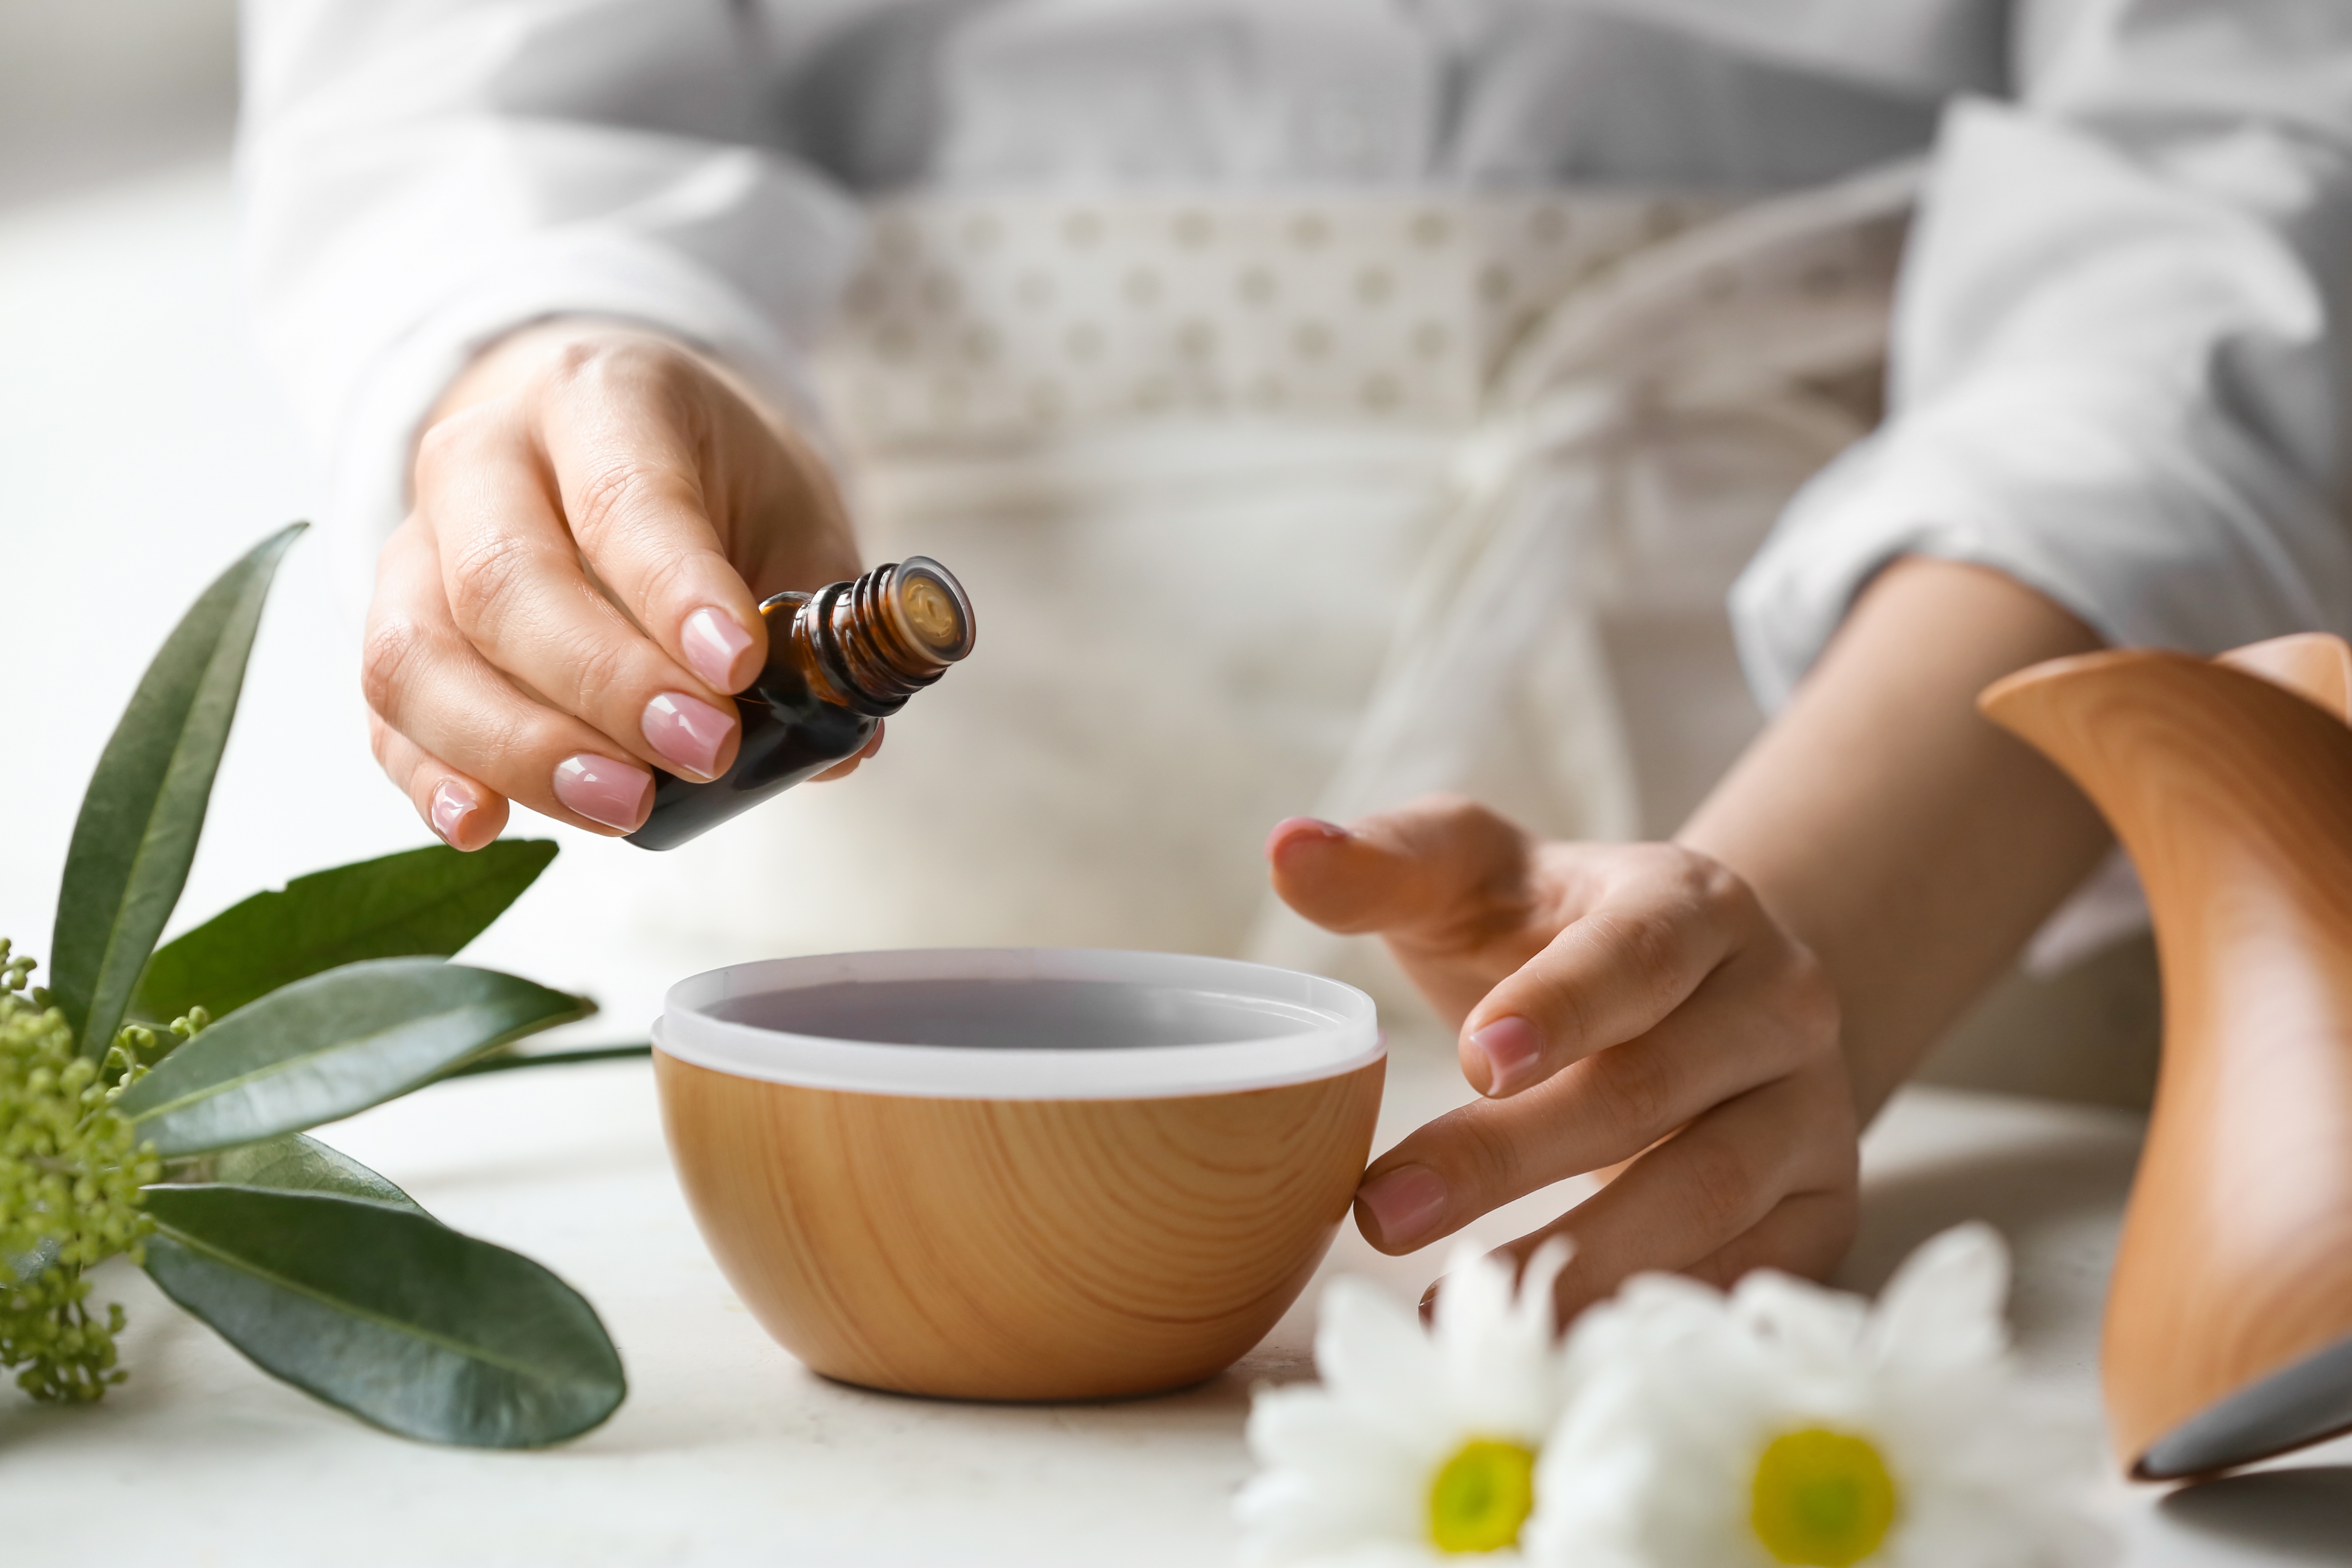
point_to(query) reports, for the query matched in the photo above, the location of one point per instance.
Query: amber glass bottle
(840, 661)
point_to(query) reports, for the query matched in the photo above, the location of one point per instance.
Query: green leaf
(294, 1164)
(387, 1313)
(420, 902)
(337, 1043)
(145, 806)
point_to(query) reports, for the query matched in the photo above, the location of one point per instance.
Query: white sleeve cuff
(2113, 379)
(2156, 529)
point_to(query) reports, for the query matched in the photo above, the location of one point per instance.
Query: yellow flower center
(1481, 1497)
(1822, 1499)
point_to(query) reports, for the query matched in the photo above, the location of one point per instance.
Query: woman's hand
(1724, 1030)
(574, 598)
(1616, 1003)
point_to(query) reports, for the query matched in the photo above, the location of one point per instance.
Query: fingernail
(1510, 1046)
(1293, 826)
(712, 641)
(1404, 1203)
(686, 731)
(603, 790)
(450, 807)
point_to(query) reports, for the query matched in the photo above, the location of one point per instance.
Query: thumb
(1441, 870)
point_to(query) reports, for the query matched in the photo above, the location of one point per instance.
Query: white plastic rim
(1316, 1028)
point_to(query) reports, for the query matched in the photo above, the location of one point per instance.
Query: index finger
(1440, 871)
(650, 469)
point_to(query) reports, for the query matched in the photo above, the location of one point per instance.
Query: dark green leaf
(145, 805)
(387, 1313)
(420, 902)
(293, 1165)
(331, 1044)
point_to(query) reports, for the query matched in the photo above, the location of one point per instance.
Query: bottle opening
(931, 609)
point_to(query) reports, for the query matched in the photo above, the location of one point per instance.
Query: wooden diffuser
(1022, 1248)
(947, 1207)
(2229, 1326)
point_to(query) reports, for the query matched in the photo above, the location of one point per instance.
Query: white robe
(2112, 372)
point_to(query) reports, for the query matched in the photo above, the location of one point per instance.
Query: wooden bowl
(1018, 1173)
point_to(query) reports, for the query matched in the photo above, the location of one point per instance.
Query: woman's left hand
(1616, 1003)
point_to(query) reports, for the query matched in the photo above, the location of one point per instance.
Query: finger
(466, 813)
(1690, 1200)
(643, 443)
(1807, 1234)
(1442, 871)
(843, 769)
(425, 681)
(1595, 1114)
(512, 577)
(1664, 923)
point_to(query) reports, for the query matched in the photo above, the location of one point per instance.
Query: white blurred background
(142, 448)
(94, 89)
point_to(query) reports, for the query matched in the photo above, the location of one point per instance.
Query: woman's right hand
(575, 591)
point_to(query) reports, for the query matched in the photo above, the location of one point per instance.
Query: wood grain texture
(1016, 1250)
(2232, 792)
(2313, 665)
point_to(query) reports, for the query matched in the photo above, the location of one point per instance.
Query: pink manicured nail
(451, 806)
(1404, 1203)
(712, 641)
(601, 790)
(1510, 1046)
(686, 731)
(1289, 826)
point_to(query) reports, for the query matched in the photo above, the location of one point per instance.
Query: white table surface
(729, 1452)
(143, 452)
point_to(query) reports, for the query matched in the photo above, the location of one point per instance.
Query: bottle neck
(870, 644)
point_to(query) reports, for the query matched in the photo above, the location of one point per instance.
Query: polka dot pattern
(1015, 316)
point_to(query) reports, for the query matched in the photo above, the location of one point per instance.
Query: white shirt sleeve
(2113, 375)
(420, 177)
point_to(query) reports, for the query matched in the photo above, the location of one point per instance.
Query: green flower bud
(71, 1172)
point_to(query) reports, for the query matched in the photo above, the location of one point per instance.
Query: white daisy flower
(1418, 1447)
(1787, 1424)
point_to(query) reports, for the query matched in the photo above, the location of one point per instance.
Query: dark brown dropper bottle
(840, 661)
